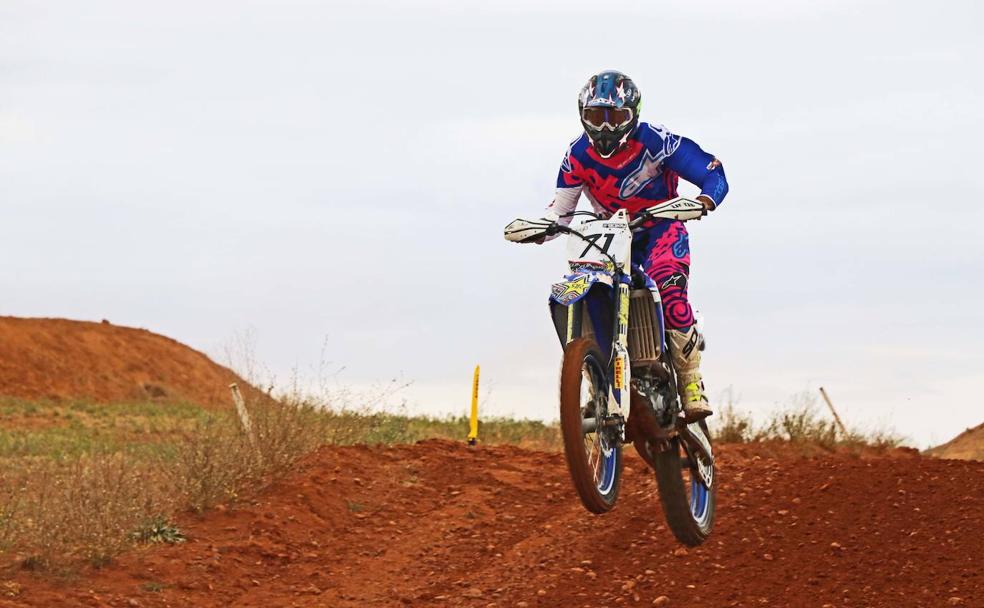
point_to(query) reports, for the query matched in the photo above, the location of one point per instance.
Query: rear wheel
(688, 500)
(593, 448)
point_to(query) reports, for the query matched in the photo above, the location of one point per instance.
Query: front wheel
(592, 446)
(688, 500)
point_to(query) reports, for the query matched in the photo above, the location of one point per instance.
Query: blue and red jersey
(645, 172)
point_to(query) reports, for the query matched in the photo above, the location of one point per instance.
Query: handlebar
(680, 208)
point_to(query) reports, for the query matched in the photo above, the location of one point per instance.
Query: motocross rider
(622, 163)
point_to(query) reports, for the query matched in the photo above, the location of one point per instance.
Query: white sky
(339, 173)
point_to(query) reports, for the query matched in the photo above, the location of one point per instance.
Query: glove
(707, 201)
(528, 231)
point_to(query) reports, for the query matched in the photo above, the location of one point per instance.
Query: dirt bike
(617, 383)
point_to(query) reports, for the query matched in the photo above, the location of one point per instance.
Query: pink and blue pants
(663, 252)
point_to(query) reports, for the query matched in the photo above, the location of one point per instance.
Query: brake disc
(698, 448)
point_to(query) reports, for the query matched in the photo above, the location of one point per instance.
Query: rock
(474, 592)
(680, 552)
(661, 601)
(955, 601)
(10, 588)
(767, 557)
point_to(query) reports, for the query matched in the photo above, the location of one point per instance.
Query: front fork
(619, 394)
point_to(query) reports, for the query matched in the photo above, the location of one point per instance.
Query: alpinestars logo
(565, 166)
(650, 167)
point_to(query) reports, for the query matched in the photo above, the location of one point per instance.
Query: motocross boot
(685, 352)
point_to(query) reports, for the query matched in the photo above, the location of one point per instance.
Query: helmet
(609, 108)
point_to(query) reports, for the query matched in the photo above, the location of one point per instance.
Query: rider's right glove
(529, 231)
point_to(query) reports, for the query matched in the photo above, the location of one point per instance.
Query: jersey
(645, 172)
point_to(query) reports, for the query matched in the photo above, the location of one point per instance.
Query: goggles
(612, 118)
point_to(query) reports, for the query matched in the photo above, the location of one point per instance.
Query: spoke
(594, 457)
(591, 422)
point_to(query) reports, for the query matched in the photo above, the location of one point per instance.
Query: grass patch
(350, 428)
(65, 430)
(159, 530)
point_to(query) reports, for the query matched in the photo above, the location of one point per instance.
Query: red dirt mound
(439, 524)
(60, 359)
(968, 445)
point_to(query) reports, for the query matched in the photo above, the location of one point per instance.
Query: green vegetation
(349, 428)
(65, 430)
(159, 530)
(60, 431)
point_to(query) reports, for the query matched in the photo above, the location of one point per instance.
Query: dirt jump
(441, 524)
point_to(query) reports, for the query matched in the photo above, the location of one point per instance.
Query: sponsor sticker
(620, 372)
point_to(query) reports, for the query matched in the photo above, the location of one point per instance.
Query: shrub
(799, 422)
(83, 510)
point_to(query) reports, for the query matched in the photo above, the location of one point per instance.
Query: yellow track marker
(473, 421)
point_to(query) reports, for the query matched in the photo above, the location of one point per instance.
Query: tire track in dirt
(439, 524)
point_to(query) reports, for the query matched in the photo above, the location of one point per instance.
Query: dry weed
(83, 510)
(799, 422)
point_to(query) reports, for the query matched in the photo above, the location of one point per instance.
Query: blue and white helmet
(609, 107)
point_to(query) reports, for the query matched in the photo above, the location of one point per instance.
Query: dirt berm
(439, 524)
(58, 359)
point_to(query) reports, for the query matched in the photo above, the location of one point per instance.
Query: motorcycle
(617, 382)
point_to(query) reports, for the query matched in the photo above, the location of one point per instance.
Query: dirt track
(437, 524)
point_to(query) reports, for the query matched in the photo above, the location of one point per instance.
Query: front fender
(575, 286)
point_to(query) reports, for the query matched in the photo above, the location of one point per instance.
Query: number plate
(611, 236)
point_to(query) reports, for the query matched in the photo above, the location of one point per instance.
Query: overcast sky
(337, 175)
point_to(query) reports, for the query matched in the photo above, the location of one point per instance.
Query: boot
(685, 352)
